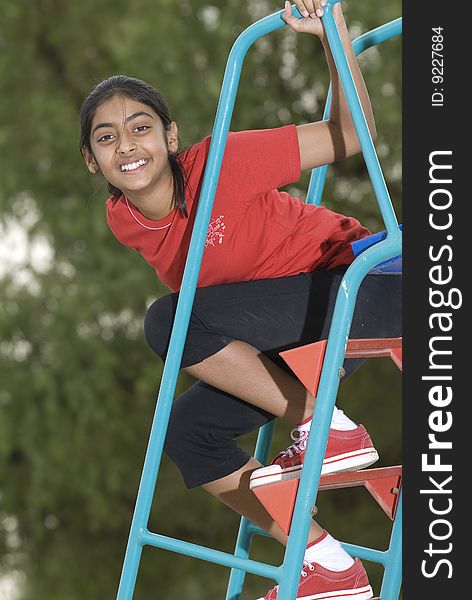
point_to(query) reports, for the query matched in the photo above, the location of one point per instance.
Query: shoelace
(300, 438)
(306, 565)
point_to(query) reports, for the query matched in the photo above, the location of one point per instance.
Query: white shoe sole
(350, 461)
(364, 593)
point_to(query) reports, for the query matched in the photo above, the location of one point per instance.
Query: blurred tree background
(78, 382)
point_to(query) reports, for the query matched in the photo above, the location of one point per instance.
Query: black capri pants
(272, 315)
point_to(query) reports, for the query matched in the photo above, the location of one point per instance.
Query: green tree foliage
(78, 381)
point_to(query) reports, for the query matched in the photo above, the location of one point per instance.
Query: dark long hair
(121, 85)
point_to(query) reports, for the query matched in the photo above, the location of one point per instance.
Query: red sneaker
(318, 583)
(346, 451)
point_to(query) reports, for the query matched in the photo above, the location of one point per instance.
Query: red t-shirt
(255, 231)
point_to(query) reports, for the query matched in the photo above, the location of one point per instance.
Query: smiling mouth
(133, 166)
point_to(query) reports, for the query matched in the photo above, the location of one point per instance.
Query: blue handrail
(367, 40)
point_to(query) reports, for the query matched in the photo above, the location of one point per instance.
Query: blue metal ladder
(287, 574)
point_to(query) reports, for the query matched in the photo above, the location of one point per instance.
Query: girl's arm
(325, 142)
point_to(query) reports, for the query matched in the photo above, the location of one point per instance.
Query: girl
(268, 281)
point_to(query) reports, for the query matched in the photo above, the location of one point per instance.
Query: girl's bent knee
(158, 324)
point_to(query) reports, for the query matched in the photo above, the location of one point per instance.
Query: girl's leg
(241, 370)
(233, 490)
(340, 574)
(203, 426)
(227, 324)
(236, 329)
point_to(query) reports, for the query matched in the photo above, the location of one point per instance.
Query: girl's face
(130, 147)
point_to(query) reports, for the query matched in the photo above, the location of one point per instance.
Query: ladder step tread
(354, 478)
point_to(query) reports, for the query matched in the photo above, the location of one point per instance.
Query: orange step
(383, 484)
(307, 361)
